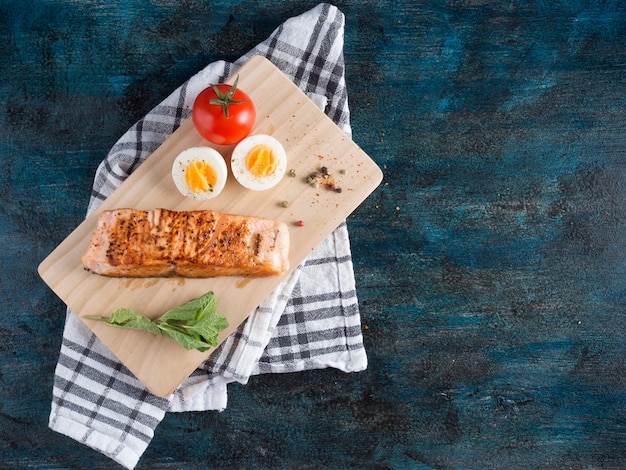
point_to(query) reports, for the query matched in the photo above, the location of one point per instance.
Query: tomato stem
(226, 99)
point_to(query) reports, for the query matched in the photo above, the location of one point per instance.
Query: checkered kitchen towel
(310, 321)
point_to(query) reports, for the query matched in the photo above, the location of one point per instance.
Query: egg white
(200, 154)
(240, 169)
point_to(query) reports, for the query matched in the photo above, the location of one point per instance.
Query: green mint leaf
(184, 338)
(189, 311)
(183, 313)
(203, 333)
(208, 305)
(122, 316)
(209, 327)
(127, 318)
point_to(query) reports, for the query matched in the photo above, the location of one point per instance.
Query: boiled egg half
(259, 162)
(199, 173)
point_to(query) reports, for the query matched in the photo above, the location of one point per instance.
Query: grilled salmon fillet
(202, 243)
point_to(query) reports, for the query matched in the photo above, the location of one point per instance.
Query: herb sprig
(194, 325)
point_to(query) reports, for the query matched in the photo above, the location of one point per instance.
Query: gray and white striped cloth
(310, 321)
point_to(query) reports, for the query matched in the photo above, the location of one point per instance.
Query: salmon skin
(202, 243)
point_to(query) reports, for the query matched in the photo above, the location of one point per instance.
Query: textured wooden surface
(490, 264)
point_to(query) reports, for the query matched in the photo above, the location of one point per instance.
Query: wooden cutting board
(311, 141)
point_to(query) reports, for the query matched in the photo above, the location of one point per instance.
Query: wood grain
(311, 140)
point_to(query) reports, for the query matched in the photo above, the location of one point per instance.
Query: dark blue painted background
(490, 265)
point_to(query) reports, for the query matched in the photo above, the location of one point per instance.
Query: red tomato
(223, 114)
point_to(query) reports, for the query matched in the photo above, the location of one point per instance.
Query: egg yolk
(261, 161)
(200, 176)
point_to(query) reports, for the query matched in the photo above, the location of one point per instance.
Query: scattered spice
(292, 173)
(323, 177)
(300, 223)
(284, 204)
